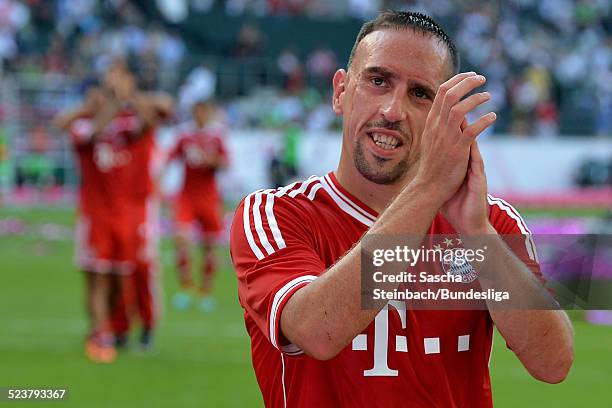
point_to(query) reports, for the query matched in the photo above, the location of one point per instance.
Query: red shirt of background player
(115, 167)
(116, 181)
(136, 184)
(98, 163)
(283, 239)
(194, 144)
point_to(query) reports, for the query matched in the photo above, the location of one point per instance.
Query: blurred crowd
(74, 36)
(546, 61)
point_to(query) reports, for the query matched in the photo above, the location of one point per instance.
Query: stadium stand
(549, 65)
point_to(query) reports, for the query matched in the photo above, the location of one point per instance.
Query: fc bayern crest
(454, 262)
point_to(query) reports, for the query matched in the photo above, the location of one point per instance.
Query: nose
(393, 108)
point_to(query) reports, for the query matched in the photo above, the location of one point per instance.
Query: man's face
(201, 112)
(119, 79)
(112, 75)
(385, 99)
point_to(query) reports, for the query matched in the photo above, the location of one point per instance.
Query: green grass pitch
(200, 360)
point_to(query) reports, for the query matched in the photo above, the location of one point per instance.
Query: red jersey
(125, 134)
(283, 239)
(116, 167)
(192, 147)
(97, 162)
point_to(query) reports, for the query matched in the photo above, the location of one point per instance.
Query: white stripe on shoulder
(261, 233)
(505, 203)
(303, 187)
(284, 190)
(344, 206)
(278, 237)
(278, 299)
(313, 191)
(247, 226)
(267, 197)
(496, 201)
(512, 213)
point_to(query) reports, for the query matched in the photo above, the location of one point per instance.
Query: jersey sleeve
(273, 254)
(176, 152)
(508, 222)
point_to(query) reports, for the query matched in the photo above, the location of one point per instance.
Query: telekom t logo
(431, 345)
(381, 340)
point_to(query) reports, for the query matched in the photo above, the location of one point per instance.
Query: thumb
(476, 160)
(477, 171)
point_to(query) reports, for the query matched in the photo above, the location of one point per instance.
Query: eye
(420, 93)
(378, 81)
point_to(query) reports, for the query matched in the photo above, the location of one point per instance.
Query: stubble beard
(377, 173)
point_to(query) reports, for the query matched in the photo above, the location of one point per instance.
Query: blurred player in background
(202, 150)
(142, 111)
(113, 137)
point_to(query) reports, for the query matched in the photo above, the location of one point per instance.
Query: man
(138, 113)
(410, 165)
(113, 137)
(94, 252)
(202, 150)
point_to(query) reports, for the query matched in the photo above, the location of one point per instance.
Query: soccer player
(409, 165)
(138, 113)
(112, 132)
(201, 148)
(94, 237)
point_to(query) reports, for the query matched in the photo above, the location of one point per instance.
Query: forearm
(324, 316)
(150, 107)
(218, 162)
(65, 119)
(164, 105)
(145, 110)
(540, 335)
(541, 339)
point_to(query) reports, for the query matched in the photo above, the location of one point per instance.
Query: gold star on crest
(448, 242)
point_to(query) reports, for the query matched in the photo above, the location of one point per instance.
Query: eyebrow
(382, 72)
(388, 74)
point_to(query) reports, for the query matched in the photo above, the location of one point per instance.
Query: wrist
(427, 192)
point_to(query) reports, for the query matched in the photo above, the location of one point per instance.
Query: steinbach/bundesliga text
(440, 294)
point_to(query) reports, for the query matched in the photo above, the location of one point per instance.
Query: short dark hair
(403, 20)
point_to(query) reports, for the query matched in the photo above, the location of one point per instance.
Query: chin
(389, 177)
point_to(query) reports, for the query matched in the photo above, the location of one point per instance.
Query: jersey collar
(348, 202)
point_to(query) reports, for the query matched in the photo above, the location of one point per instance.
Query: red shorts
(103, 246)
(115, 245)
(209, 214)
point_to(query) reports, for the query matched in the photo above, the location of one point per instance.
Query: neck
(376, 196)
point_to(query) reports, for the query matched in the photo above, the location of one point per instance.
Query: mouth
(385, 142)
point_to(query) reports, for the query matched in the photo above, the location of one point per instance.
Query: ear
(339, 84)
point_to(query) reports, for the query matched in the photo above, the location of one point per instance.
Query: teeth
(385, 141)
